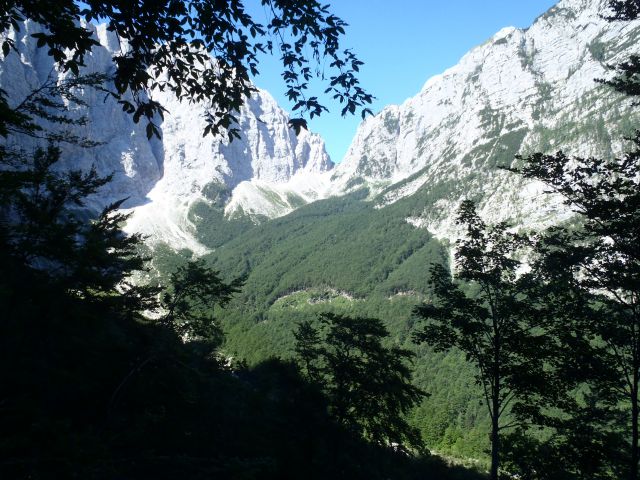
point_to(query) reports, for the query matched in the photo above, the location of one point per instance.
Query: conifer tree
(46, 225)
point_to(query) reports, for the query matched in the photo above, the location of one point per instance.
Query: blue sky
(403, 43)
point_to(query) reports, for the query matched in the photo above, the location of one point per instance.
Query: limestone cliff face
(126, 152)
(162, 178)
(521, 91)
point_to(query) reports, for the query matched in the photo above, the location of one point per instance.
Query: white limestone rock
(163, 177)
(521, 91)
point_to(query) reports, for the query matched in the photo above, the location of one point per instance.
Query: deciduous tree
(200, 50)
(481, 311)
(605, 256)
(194, 291)
(368, 384)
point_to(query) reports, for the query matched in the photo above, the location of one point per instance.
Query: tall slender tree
(590, 274)
(482, 312)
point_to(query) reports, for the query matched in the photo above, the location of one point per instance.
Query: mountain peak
(164, 178)
(521, 91)
(588, 6)
(587, 10)
(504, 33)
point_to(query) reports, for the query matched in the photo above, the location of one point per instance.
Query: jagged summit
(163, 178)
(587, 7)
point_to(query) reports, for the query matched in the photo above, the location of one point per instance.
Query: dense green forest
(344, 255)
(336, 342)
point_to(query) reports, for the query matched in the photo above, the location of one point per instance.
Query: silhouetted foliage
(45, 231)
(581, 449)
(605, 258)
(90, 387)
(52, 103)
(170, 45)
(308, 348)
(576, 433)
(627, 80)
(484, 312)
(624, 9)
(368, 385)
(193, 292)
(587, 280)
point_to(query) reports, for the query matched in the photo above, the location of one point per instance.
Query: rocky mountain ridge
(521, 91)
(262, 173)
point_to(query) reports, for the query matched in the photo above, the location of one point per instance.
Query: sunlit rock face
(124, 151)
(521, 91)
(163, 177)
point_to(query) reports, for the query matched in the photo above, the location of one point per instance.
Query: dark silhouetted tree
(627, 79)
(606, 262)
(193, 292)
(588, 275)
(624, 9)
(46, 225)
(368, 385)
(581, 421)
(308, 349)
(482, 312)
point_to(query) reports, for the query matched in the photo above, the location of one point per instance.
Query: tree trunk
(495, 446)
(495, 430)
(495, 400)
(633, 473)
